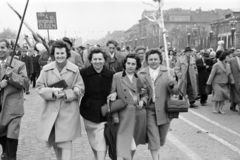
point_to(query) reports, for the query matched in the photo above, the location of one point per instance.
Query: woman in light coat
(129, 87)
(220, 79)
(60, 120)
(161, 84)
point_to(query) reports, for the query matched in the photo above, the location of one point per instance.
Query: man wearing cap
(75, 58)
(235, 89)
(11, 106)
(203, 74)
(186, 71)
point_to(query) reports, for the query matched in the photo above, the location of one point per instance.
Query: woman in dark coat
(220, 79)
(129, 87)
(97, 79)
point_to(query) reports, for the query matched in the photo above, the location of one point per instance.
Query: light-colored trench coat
(122, 85)
(12, 101)
(181, 71)
(62, 113)
(162, 91)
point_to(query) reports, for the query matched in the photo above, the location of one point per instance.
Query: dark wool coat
(115, 63)
(97, 88)
(12, 101)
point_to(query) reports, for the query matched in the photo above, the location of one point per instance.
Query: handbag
(174, 105)
(59, 84)
(116, 106)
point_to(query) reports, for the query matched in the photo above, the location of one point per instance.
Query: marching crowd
(135, 84)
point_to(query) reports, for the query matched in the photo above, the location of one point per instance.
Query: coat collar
(220, 64)
(91, 71)
(127, 82)
(69, 67)
(148, 77)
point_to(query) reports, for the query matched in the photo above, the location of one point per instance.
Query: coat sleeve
(45, 92)
(212, 74)
(114, 84)
(19, 79)
(172, 79)
(230, 76)
(178, 69)
(70, 96)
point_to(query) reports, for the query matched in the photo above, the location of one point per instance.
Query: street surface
(196, 135)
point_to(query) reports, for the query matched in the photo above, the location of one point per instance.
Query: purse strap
(108, 106)
(182, 94)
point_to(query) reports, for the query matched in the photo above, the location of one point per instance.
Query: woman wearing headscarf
(60, 120)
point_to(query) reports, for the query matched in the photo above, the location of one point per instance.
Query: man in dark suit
(36, 67)
(28, 62)
(203, 75)
(235, 89)
(114, 60)
(11, 108)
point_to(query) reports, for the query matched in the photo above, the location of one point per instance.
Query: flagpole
(160, 13)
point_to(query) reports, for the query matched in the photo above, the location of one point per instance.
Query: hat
(67, 40)
(188, 49)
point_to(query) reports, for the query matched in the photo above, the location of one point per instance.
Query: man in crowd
(75, 58)
(36, 67)
(29, 66)
(235, 89)
(114, 60)
(13, 81)
(203, 75)
(140, 51)
(186, 71)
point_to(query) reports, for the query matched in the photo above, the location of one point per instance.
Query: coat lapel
(221, 66)
(127, 82)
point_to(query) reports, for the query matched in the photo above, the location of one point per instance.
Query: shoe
(221, 112)
(214, 111)
(27, 92)
(203, 104)
(233, 109)
(4, 156)
(193, 106)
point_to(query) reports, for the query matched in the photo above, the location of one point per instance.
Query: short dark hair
(223, 56)
(133, 56)
(96, 50)
(218, 53)
(112, 42)
(140, 48)
(60, 44)
(6, 42)
(153, 51)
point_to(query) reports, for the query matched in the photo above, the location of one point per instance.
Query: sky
(92, 19)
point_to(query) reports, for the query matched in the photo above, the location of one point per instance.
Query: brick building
(227, 28)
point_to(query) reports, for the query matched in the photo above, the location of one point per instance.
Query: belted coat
(181, 70)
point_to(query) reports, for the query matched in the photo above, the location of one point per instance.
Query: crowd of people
(77, 82)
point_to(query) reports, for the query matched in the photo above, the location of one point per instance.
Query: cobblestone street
(184, 141)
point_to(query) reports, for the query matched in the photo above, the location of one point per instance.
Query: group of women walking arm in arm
(143, 90)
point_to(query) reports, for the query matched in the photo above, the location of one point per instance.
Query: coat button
(158, 110)
(156, 84)
(125, 97)
(125, 90)
(56, 110)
